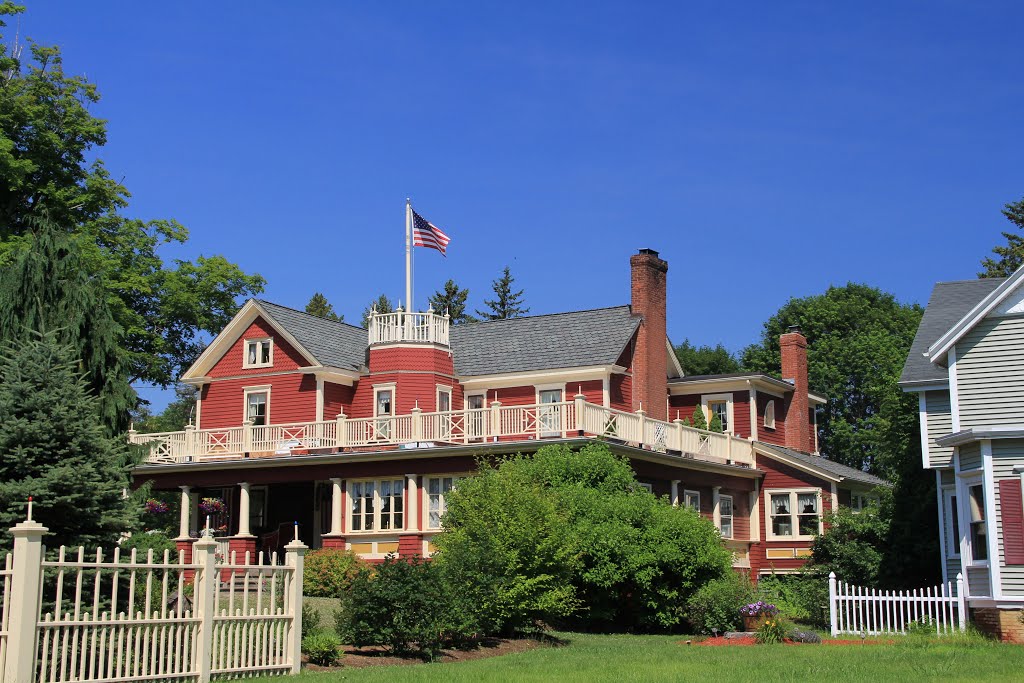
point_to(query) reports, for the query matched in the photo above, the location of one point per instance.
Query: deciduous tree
(706, 360)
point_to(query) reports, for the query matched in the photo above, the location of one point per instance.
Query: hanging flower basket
(156, 507)
(212, 506)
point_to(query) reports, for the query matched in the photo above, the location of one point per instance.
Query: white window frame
(645, 486)
(377, 505)
(262, 389)
(963, 502)
(556, 416)
(769, 415)
(794, 496)
(245, 352)
(443, 389)
(691, 499)
(731, 516)
(950, 500)
(707, 399)
(383, 427)
(442, 504)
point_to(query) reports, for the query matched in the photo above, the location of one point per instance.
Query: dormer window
(259, 353)
(769, 415)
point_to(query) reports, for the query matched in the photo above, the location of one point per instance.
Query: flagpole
(408, 255)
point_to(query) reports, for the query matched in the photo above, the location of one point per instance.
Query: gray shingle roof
(334, 344)
(543, 342)
(950, 301)
(824, 464)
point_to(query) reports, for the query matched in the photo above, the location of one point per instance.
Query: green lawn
(593, 658)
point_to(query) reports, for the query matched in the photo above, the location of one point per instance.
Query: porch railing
(495, 423)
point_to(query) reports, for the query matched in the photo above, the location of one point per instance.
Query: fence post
(190, 444)
(679, 434)
(247, 429)
(204, 556)
(961, 602)
(417, 423)
(579, 401)
(643, 426)
(294, 553)
(341, 424)
(496, 419)
(832, 606)
(25, 597)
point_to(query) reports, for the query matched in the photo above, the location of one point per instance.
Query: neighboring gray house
(967, 367)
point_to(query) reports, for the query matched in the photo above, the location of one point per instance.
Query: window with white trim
(691, 499)
(384, 408)
(259, 353)
(720, 405)
(646, 486)
(769, 415)
(725, 516)
(978, 531)
(444, 399)
(860, 501)
(257, 406)
(952, 523)
(376, 505)
(437, 489)
(794, 514)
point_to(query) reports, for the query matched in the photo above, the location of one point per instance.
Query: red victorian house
(358, 435)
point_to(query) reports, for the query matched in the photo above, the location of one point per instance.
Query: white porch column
(675, 493)
(412, 503)
(336, 493)
(243, 509)
(185, 517)
(716, 503)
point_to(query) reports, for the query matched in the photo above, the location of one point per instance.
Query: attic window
(769, 415)
(259, 353)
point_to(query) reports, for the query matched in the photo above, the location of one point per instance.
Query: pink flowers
(156, 507)
(212, 506)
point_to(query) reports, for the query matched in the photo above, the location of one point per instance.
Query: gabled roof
(828, 468)
(938, 350)
(543, 342)
(334, 344)
(950, 302)
(782, 384)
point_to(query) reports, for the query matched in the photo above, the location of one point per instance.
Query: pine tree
(1011, 257)
(700, 421)
(49, 286)
(381, 304)
(452, 300)
(506, 304)
(320, 307)
(55, 449)
(716, 424)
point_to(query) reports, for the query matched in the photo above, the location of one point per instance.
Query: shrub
(800, 597)
(715, 606)
(328, 573)
(322, 648)
(772, 631)
(143, 541)
(800, 636)
(406, 606)
(310, 618)
(852, 545)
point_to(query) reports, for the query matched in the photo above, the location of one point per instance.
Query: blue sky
(767, 150)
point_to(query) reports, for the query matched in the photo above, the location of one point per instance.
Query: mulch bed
(748, 640)
(362, 657)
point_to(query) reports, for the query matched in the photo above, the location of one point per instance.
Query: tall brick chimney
(793, 345)
(650, 371)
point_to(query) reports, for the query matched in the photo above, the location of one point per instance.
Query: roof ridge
(546, 315)
(310, 315)
(977, 279)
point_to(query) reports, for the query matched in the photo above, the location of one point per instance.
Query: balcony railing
(426, 327)
(482, 425)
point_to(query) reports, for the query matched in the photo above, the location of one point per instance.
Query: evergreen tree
(716, 424)
(506, 304)
(700, 421)
(53, 447)
(452, 300)
(49, 287)
(1011, 256)
(320, 307)
(381, 304)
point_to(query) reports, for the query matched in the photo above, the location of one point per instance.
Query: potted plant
(756, 613)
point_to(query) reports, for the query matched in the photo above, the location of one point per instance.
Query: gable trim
(987, 305)
(796, 464)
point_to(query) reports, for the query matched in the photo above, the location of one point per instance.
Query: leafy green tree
(54, 448)
(1011, 256)
(858, 338)
(452, 300)
(853, 545)
(381, 304)
(506, 303)
(320, 307)
(706, 360)
(47, 286)
(49, 142)
(178, 413)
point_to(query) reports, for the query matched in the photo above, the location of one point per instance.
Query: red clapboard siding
(620, 392)
(337, 399)
(592, 390)
(285, 355)
(781, 476)
(775, 436)
(292, 399)
(741, 413)
(1012, 521)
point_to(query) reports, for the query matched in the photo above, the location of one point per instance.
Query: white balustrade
(429, 327)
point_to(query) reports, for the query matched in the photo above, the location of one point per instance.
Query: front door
(475, 419)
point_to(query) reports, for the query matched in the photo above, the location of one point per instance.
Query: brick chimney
(793, 345)
(650, 371)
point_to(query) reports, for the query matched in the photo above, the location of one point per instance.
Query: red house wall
(337, 399)
(741, 413)
(292, 399)
(775, 436)
(415, 372)
(285, 355)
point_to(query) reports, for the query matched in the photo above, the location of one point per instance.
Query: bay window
(377, 505)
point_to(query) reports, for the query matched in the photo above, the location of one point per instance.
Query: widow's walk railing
(480, 425)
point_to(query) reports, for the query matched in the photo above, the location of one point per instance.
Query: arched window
(769, 415)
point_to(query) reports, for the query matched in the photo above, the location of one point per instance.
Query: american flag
(426, 234)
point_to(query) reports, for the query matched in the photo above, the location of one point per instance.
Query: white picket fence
(99, 619)
(869, 611)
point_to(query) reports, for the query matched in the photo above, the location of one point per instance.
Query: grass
(590, 658)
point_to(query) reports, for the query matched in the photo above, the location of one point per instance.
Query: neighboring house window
(257, 406)
(646, 487)
(769, 415)
(725, 516)
(437, 505)
(952, 523)
(377, 505)
(860, 502)
(794, 514)
(259, 353)
(979, 534)
(691, 499)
